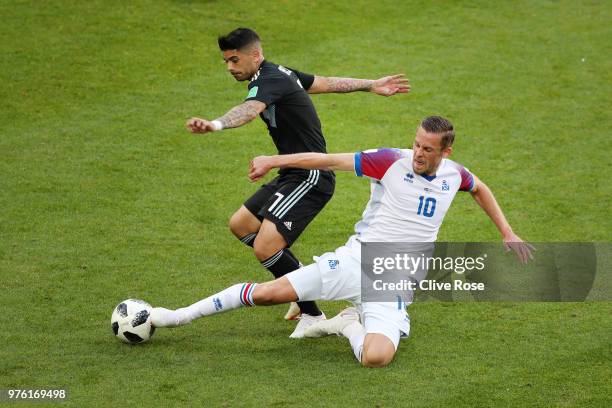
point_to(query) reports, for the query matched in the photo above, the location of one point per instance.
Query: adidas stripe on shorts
(291, 201)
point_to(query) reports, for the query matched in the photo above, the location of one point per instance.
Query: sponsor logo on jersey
(409, 177)
(445, 186)
(253, 92)
(288, 225)
(218, 304)
(333, 263)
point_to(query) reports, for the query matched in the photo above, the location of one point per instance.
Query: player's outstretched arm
(385, 86)
(261, 165)
(235, 117)
(483, 195)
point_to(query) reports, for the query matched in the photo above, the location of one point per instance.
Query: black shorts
(292, 200)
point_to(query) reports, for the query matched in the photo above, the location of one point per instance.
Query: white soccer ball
(131, 321)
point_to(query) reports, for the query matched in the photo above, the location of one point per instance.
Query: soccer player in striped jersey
(274, 217)
(412, 190)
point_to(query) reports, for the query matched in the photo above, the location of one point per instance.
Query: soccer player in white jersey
(412, 190)
(274, 217)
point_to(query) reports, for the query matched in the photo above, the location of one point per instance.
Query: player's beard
(426, 168)
(243, 76)
(238, 77)
(419, 168)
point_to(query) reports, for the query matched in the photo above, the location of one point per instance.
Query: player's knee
(263, 249)
(235, 225)
(242, 223)
(268, 242)
(376, 358)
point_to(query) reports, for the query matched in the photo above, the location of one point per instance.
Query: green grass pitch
(105, 196)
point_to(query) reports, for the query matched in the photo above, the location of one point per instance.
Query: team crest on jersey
(333, 263)
(409, 177)
(445, 186)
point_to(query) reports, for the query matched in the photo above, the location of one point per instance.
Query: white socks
(233, 297)
(356, 333)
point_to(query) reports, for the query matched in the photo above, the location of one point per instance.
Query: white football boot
(294, 312)
(333, 325)
(305, 322)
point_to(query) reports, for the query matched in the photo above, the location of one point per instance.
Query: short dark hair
(442, 127)
(238, 39)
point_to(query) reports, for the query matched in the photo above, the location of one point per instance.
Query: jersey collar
(428, 178)
(256, 74)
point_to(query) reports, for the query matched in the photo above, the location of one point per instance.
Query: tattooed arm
(235, 117)
(385, 86)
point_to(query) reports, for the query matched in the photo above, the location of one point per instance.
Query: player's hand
(259, 167)
(390, 85)
(197, 125)
(522, 249)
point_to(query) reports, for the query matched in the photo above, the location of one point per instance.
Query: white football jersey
(405, 206)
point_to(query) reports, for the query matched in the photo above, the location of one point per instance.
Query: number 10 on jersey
(427, 206)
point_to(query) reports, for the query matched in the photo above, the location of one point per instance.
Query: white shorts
(337, 276)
